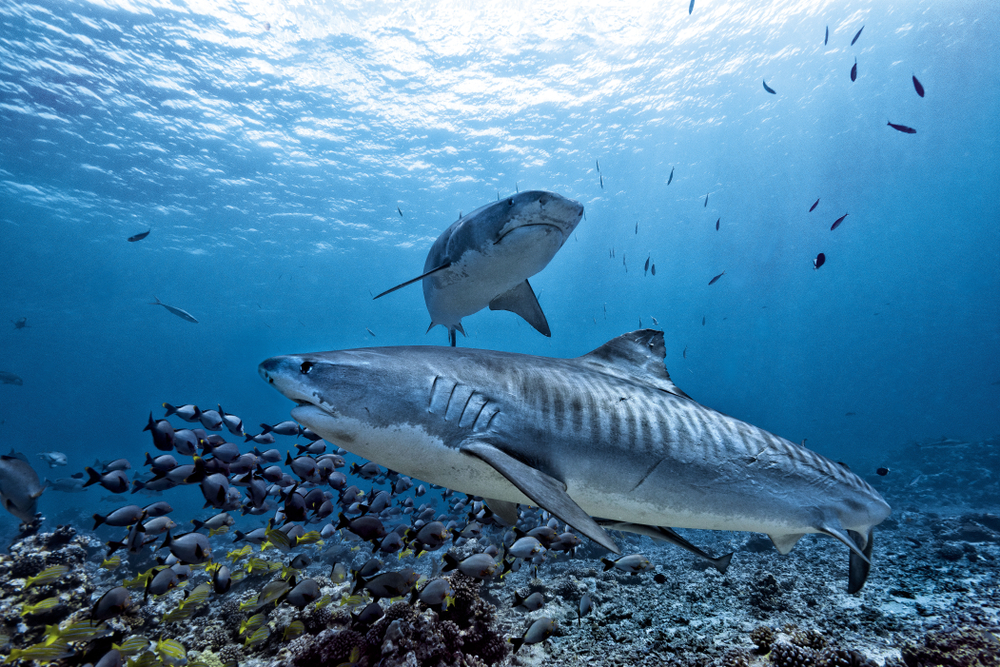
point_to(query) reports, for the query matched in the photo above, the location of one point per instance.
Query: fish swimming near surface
(706, 201)
(400, 211)
(691, 7)
(768, 88)
(22, 322)
(605, 435)
(20, 488)
(6, 377)
(717, 224)
(918, 86)
(813, 207)
(819, 261)
(183, 314)
(671, 178)
(854, 71)
(714, 280)
(836, 223)
(856, 35)
(139, 237)
(901, 128)
(486, 258)
(826, 39)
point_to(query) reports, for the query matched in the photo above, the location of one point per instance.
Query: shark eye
(306, 367)
(510, 202)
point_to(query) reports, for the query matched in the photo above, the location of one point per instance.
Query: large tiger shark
(485, 259)
(605, 435)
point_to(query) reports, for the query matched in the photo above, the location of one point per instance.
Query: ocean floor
(931, 599)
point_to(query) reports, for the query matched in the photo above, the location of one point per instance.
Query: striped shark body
(605, 435)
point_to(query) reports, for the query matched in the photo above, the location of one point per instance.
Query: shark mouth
(533, 224)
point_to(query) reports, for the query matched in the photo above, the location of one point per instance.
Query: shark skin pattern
(605, 435)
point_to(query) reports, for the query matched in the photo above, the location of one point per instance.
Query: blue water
(268, 147)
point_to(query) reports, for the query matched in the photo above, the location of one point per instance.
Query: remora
(604, 435)
(486, 258)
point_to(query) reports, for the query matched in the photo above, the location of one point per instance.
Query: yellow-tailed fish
(133, 645)
(81, 631)
(42, 652)
(47, 576)
(251, 624)
(351, 600)
(277, 539)
(218, 531)
(111, 563)
(170, 650)
(237, 554)
(259, 636)
(312, 537)
(323, 601)
(404, 553)
(237, 576)
(146, 659)
(44, 605)
(353, 659)
(294, 629)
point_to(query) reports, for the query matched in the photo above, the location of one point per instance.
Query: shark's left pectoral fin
(548, 492)
(521, 300)
(861, 565)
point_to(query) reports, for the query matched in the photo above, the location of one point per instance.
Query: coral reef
(953, 647)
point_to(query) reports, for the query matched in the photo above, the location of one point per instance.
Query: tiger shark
(605, 435)
(485, 259)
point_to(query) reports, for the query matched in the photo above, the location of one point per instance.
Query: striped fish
(605, 435)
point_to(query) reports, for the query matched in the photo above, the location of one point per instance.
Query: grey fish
(541, 628)
(556, 433)
(6, 377)
(71, 484)
(486, 258)
(669, 180)
(22, 322)
(856, 35)
(769, 89)
(54, 459)
(140, 236)
(20, 488)
(183, 314)
(715, 279)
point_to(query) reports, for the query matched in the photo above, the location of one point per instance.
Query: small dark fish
(919, 88)
(717, 224)
(652, 269)
(6, 377)
(901, 128)
(854, 71)
(813, 207)
(398, 210)
(826, 40)
(691, 7)
(139, 237)
(685, 353)
(671, 176)
(645, 268)
(769, 88)
(21, 323)
(636, 226)
(702, 321)
(585, 606)
(836, 223)
(856, 35)
(819, 261)
(598, 165)
(370, 331)
(706, 200)
(882, 472)
(712, 282)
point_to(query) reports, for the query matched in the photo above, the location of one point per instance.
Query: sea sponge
(763, 637)
(790, 655)
(809, 638)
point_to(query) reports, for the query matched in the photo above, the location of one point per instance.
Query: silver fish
(183, 314)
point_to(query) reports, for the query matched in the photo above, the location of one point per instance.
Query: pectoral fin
(507, 511)
(860, 566)
(548, 492)
(410, 282)
(521, 300)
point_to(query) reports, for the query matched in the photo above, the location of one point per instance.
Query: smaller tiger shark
(485, 259)
(605, 435)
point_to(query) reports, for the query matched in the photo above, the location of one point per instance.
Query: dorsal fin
(636, 356)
